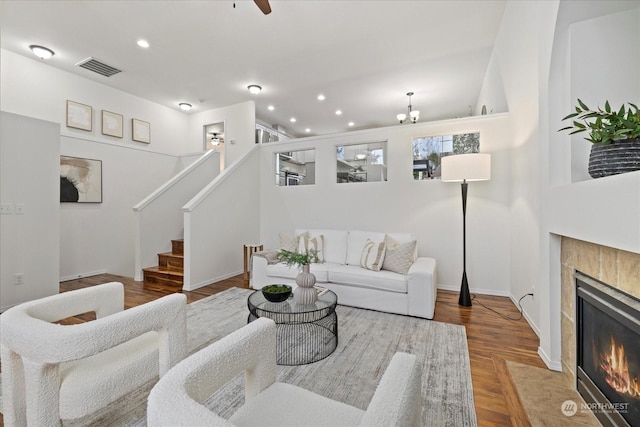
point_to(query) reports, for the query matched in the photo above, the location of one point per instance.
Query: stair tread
(160, 270)
(171, 254)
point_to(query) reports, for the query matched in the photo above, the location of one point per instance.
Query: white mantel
(605, 211)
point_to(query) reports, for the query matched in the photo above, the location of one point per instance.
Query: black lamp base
(465, 297)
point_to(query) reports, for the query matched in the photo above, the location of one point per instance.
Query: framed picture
(141, 131)
(111, 124)
(80, 180)
(79, 116)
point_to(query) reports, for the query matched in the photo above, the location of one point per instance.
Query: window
(295, 168)
(361, 162)
(428, 150)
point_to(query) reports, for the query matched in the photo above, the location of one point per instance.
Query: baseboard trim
(491, 292)
(554, 366)
(82, 275)
(210, 281)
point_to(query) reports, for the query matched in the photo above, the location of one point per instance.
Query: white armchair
(52, 371)
(176, 400)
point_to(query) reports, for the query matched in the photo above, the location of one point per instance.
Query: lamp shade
(466, 167)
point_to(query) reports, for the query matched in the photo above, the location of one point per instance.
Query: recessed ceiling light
(321, 97)
(271, 108)
(254, 89)
(292, 119)
(351, 124)
(307, 130)
(184, 106)
(338, 112)
(41, 51)
(143, 43)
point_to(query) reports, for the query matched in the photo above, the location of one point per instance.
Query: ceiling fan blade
(264, 6)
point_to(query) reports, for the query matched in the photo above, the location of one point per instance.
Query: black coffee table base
(304, 333)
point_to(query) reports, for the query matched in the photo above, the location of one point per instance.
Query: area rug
(367, 341)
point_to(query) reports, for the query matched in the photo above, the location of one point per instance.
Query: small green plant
(298, 258)
(605, 126)
(277, 289)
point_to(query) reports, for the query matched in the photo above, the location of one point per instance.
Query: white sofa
(413, 293)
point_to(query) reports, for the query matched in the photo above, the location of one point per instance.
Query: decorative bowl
(276, 293)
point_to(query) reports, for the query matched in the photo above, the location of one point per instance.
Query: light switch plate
(7, 208)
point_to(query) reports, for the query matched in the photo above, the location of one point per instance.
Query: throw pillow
(399, 256)
(289, 242)
(306, 244)
(373, 255)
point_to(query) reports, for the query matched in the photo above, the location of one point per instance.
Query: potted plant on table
(615, 135)
(304, 293)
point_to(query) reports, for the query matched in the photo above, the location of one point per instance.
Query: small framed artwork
(79, 116)
(80, 180)
(111, 124)
(141, 131)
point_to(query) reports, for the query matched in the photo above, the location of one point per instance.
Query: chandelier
(413, 115)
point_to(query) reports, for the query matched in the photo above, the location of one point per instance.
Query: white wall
(615, 41)
(32, 88)
(239, 129)
(431, 210)
(29, 176)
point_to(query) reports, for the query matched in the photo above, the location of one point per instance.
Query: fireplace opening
(608, 351)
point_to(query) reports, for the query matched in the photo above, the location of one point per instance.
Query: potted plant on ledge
(304, 293)
(615, 135)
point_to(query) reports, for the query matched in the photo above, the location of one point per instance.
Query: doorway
(214, 140)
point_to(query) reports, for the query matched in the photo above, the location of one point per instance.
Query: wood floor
(491, 340)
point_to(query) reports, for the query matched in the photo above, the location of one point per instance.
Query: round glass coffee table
(305, 333)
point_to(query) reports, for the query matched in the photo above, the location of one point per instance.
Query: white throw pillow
(306, 244)
(398, 256)
(290, 243)
(373, 255)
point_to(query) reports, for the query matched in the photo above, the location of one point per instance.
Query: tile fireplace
(608, 351)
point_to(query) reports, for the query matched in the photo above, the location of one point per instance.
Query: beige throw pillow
(289, 242)
(306, 244)
(398, 256)
(372, 255)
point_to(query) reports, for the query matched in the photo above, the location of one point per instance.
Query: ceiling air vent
(92, 64)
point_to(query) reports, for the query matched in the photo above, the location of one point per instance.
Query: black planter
(615, 158)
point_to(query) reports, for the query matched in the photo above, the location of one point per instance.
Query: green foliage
(277, 289)
(298, 258)
(605, 126)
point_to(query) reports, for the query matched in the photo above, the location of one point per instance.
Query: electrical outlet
(19, 278)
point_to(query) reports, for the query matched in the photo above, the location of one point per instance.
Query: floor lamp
(464, 168)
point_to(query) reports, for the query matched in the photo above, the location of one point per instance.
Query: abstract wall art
(80, 180)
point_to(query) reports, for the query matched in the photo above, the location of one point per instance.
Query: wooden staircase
(170, 269)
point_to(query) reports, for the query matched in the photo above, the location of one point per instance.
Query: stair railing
(159, 218)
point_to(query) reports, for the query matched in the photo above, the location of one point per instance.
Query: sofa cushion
(372, 255)
(356, 240)
(282, 270)
(399, 256)
(335, 244)
(358, 276)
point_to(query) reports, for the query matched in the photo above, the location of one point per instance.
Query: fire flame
(615, 365)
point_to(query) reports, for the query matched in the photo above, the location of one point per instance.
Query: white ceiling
(364, 56)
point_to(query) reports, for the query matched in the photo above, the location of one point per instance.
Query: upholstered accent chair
(52, 371)
(176, 400)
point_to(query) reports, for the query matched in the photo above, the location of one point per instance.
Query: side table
(248, 252)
